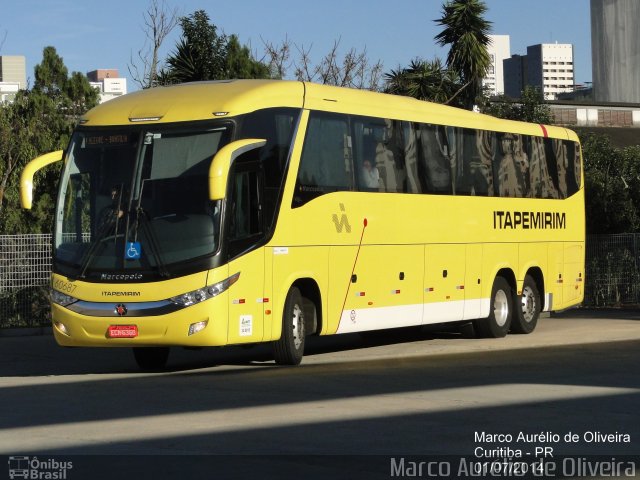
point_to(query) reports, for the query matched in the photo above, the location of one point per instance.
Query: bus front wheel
(151, 358)
(497, 324)
(528, 307)
(290, 348)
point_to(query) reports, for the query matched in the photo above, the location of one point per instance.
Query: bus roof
(196, 101)
(228, 98)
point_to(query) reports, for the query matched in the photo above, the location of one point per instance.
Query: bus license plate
(122, 331)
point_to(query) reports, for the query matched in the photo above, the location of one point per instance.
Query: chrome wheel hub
(528, 304)
(501, 308)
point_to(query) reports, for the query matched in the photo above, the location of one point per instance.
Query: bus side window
(512, 166)
(433, 156)
(326, 161)
(411, 158)
(390, 157)
(276, 125)
(562, 162)
(244, 209)
(480, 162)
(552, 166)
(573, 167)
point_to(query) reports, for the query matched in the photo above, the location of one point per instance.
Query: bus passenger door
(244, 231)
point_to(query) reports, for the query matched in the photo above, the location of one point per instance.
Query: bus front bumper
(193, 326)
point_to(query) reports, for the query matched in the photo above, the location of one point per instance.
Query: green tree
(38, 121)
(467, 33)
(611, 186)
(203, 54)
(23, 135)
(241, 64)
(529, 108)
(51, 74)
(68, 96)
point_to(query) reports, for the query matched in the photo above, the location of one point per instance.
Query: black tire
(289, 350)
(151, 358)
(527, 307)
(497, 324)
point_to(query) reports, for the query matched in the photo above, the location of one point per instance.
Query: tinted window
(326, 163)
(409, 157)
(277, 126)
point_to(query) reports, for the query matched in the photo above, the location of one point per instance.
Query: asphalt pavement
(354, 403)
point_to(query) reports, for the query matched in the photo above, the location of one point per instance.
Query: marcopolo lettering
(121, 276)
(506, 220)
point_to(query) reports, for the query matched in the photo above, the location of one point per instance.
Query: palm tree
(467, 33)
(424, 80)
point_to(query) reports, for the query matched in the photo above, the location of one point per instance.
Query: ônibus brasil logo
(35, 468)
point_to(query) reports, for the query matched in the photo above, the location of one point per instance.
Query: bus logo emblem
(342, 222)
(120, 310)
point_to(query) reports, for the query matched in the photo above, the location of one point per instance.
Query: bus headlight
(62, 299)
(202, 294)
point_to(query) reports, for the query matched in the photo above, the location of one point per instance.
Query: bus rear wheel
(151, 358)
(497, 324)
(528, 307)
(290, 348)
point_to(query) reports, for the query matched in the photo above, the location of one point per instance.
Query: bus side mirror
(222, 161)
(26, 178)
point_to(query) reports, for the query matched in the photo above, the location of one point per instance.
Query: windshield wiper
(153, 241)
(150, 234)
(112, 220)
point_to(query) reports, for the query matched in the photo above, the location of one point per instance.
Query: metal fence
(25, 268)
(612, 275)
(612, 270)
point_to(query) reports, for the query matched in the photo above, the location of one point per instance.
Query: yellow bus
(247, 211)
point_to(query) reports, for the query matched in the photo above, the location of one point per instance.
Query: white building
(13, 76)
(108, 83)
(499, 50)
(550, 67)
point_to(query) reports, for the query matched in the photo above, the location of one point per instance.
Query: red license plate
(122, 331)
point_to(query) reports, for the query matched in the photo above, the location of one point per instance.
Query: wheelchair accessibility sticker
(133, 251)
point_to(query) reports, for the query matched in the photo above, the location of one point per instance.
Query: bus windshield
(136, 200)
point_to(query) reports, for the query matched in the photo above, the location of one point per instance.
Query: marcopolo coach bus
(247, 211)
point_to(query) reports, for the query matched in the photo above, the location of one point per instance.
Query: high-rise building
(615, 50)
(499, 49)
(515, 74)
(13, 76)
(548, 66)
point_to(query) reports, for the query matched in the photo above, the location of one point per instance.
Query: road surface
(572, 386)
